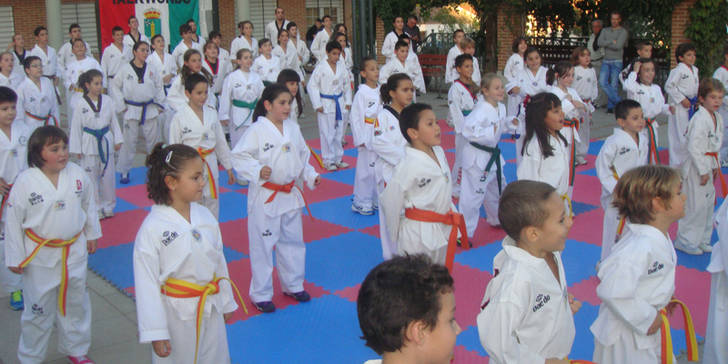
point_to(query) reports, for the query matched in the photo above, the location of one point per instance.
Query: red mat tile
(588, 227)
(315, 229)
(136, 195)
(328, 189)
(469, 289)
(372, 230)
(586, 291)
(486, 234)
(587, 189)
(235, 235)
(693, 288)
(117, 233)
(349, 293)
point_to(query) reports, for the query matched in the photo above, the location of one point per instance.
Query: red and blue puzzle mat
(343, 246)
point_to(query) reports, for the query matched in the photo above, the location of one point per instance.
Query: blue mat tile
(579, 261)
(583, 347)
(508, 150)
(354, 253)
(353, 152)
(232, 255)
(595, 146)
(137, 176)
(114, 264)
(233, 206)
(122, 205)
(580, 207)
(470, 339)
(343, 176)
(338, 211)
(481, 257)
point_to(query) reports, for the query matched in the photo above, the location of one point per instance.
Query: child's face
(118, 36)
(292, 32)
(79, 49)
(7, 113)
(159, 44)
(283, 38)
(333, 56)
(55, 156)
(522, 47)
(194, 63)
(133, 23)
(217, 41)
(647, 73)
(713, 101)
(327, 23)
(187, 36)
(677, 203)
(469, 50)
(402, 53)
(403, 93)
(553, 232)
(554, 119)
(567, 79)
(248, 30)
(42, 36)
(645, 51)
(428, 132)
(584, 59)
(280, 108)
(688, 58)
(35, 70)
(292, 87)
(533, 61)
(398, 23)
(95, 86)
(188, 184)
(458, 37)
(371, 71)
(439, 344)
(20, 41)
(466, 69)
(75, 33)
(211, 52)
(342, 41)
(198, 96)
(6, 62)
(634, 123)
(246, 61)
(142, 52)
(495, 91)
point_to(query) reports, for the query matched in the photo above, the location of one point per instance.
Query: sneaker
(83, 359)
(460, 244)
(688, 250)
(375, 206)
(125, 179)
(265, 306)
(361, 210)
(302, 296)
(724, 163)
(705, 247)
(241, 182)
(342, 165)
(580, 161)
(332, 167)
(16, 300)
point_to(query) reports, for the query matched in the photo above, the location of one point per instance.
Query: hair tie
(168, 158)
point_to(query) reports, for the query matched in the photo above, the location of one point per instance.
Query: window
(318, 8)
(84, 14)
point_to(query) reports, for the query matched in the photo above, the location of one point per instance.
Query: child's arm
(116, 131)
(384, 73)
(76, 134)
(391, 202)
(386, 144)
(159, 87)
(222, 150)
(175, 134)
(698, 130)
(479, 128)
(151, 314)
(54, 100)
(225, 102)
(313, 89)
(455, 108)
(14, 234)
(309, 174)
(356, 119)
(418, 79)
(497, 325)
(605, 167)
(630, 84)
(244, 158)
(92, 228)
(595, 88)
(530, 166)
(347, 90)
(388, 46)
(665, 108)
(115, 91)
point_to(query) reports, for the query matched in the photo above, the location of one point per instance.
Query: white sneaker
(241, 182)
(705, 247)
(331, 167)
(342, 165)
(688, 249)
(361, 210)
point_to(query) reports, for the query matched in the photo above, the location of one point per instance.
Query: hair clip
(168, 158)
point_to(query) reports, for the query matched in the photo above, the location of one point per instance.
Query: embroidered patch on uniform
(480, 191)
(656, 266)
(35, 198)
(370, 104)
(652, 100)
(205, 136)
(371, 164)
(84, 110)
(286, 148)
(377, 132)
(684, 76)
(168, 237)
(79, 186)
(267, 147)
(186, 130)
(32, 99)
(624, 150)
(267, 233)
(129, 77)
(37, 310)
(541, 300)
(423, 182)
(640, 92)
(196, 234)
(535, 83)
(578, 78)
(59, 205)
(22, 140)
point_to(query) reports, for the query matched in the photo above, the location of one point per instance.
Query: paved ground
(114, 314)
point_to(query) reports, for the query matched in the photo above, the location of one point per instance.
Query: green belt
(467, 112)
(245, 105)
(494, 158)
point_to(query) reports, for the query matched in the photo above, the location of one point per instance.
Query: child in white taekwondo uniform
(721, 74)
(65, 52)
(196, 124)
(13, 160)
(291, 79)
(115, 55)
(53, 199)
(74, 69)
(392, 37)
(304, 55)
(138, 93)
(625, 149)
(176, 97)
(266, 65)
(461, 101)
(245, 40)
(218, 67)
(240, 94)
(586, 85)
(388, 144)
(467, 44)
(421, 186)
(715, 335)
(6, 69)
(483, 176)
(404, 62)
(179, 249)
(638, 277)
(550, 162)
(37, 102)
(134, 36)
(365, 110)
(95, 136)
(700, 169)
(47, 55)
(527, 312)
(639, 87)
(17, 49)
(185, 31)
(322, 38)
(288, 54)
(166, 67)
(330, 93)
(682, 94)
(273, 156)
(513, 69)
(520, 91)
(450, 73)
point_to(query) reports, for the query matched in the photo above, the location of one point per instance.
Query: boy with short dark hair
(406, 309)
(185, 31)
(682, 93)
(115, 54)
(405, 62)
(527, 312)
(456, 50)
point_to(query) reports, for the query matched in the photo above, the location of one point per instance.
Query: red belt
(4, 201)
(451, 218)
(287, 188)
(720, 173)
(652, 156)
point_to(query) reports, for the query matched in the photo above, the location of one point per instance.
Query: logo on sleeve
(35, 198)
(186, 130)
(541, 300)
(267, 233)
(37, 310)
(624, 150)
(168, 237)
(656, 267)
(267, 147)
(79, 187)
(423, 182)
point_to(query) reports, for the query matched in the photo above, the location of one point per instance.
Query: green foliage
(707, 31)
(387, 10)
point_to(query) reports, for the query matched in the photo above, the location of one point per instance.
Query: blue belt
(100, 141)
(339, 115)
(166, 89)
(143, 105)
(693, 107)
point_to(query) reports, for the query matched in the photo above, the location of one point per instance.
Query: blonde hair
(637, 188)
(707, 85)
(467, 42)
(488, 79)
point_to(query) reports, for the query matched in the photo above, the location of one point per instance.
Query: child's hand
(579, 105)
(224, 122)
(227, 317)
(574, 304)
(317, 181)
(91, 246)
(117, 147)
(671, 307)
(672, 109)
(4, 187)
(656, 325)
(515, 91)
(231, 176)
(347, 107)
(515, 121)
(636, 67)
(685, 103)
(167, 78)
(704, 179)
(265, 173)
(320, 109)
(16, 270)
(162, 348)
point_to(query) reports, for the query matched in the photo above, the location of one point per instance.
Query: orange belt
(574, 125)
(720, 173)
(210, 179)
(287, 188)
(620, 227)
(65, 245)
(372, 121)
(652, 156)
(178, 288)
(4, 201)
(690, 338)
(451, 218)
(316, 156)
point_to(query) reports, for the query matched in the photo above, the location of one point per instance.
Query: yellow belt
(210, 179)
(566, 198)
(691, 341)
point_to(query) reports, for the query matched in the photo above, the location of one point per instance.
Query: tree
(707, 31)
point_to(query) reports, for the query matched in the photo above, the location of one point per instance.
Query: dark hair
(192, 80)
(391, 85)
(642, 61)
(239, 53)
(289, 75)
(291, 25)
(397, 17)
(682, 49)
(28, 60)
(73, 43)
(536, 111)
(339, 25)
(635, 190)
(190, 20)
(642, 44)
(615, 12)
(117, 29)
(364, 63)
(409, 118)
(281, 32)
(397, 292)
(459, 60)
(530, 50)
(155, 37)
(45, 135)
(404, 37)
(708, 85)
(522, 205)
(88, 77)
(576, 53)
(516, 42)
(130, 18)
(333, 44)
(270, 93)
(401, 44)
(559, 69)
(39, 29)
(263, 41)
(139, 44)
(165, 161)
(456, 32)
(622, 109)
(241, 25)
(412, 16)
(323, 18)
(209, 44)
(214, 34)
(73, 26)
(346, 38)
(8, 95)
(185, 71)
(185, 28)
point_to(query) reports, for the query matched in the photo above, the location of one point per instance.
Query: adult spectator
(275, 27)
(313, 30)
(413, 31)
(391, 39)
(597, 54)
(613, 40)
